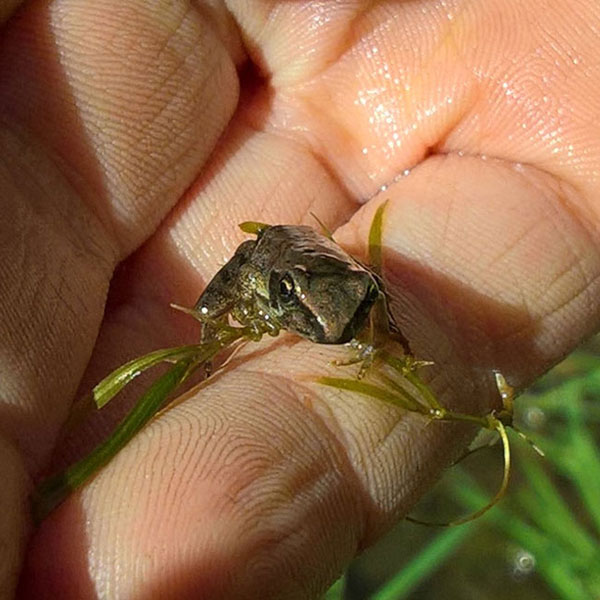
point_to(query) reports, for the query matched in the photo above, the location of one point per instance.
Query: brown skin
(264, 485)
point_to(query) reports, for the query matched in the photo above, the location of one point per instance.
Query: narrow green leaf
(113, 383)
(411, 401)
(575, 454)
(550, 512)
(54, 490)
(424, 564)
(368, 389)
(336, 591)
(554, 564)
(324, 229)
(375, 239)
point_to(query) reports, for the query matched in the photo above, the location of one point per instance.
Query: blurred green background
(541, 542)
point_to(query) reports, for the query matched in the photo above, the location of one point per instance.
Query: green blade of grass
(54, 490)
(336, 591)
(424, 564)
(375, 236)
(400, 366)
(546, 507)
(575, 454)
(560, 569)
(113, 383)
(374, 391)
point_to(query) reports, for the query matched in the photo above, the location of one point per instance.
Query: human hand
(264, 484)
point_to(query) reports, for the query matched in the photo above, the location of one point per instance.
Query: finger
(386, 86)
(141, 95)
(107, 114)
(489, 267)
(467, 339)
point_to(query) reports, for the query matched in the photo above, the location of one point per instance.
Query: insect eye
(286, 288)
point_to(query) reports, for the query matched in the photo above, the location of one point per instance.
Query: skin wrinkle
(532, 181)
(584, 290)
(154, 119)
(164, 107)
(525, 304)
(30, 329)
(586, 278)
(300, 143)
(185, 452)
(95, 245)
(245, 504)
(153, 451)
(577, 212)
(347, 40)
(280, 538)
(296, 392)
(440, 137)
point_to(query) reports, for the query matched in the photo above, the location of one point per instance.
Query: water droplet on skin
(365, 150)
(383, 188)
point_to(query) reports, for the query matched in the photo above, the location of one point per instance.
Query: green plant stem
(113, 383)
(375, 239)
(424, 564)
(55, 489)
